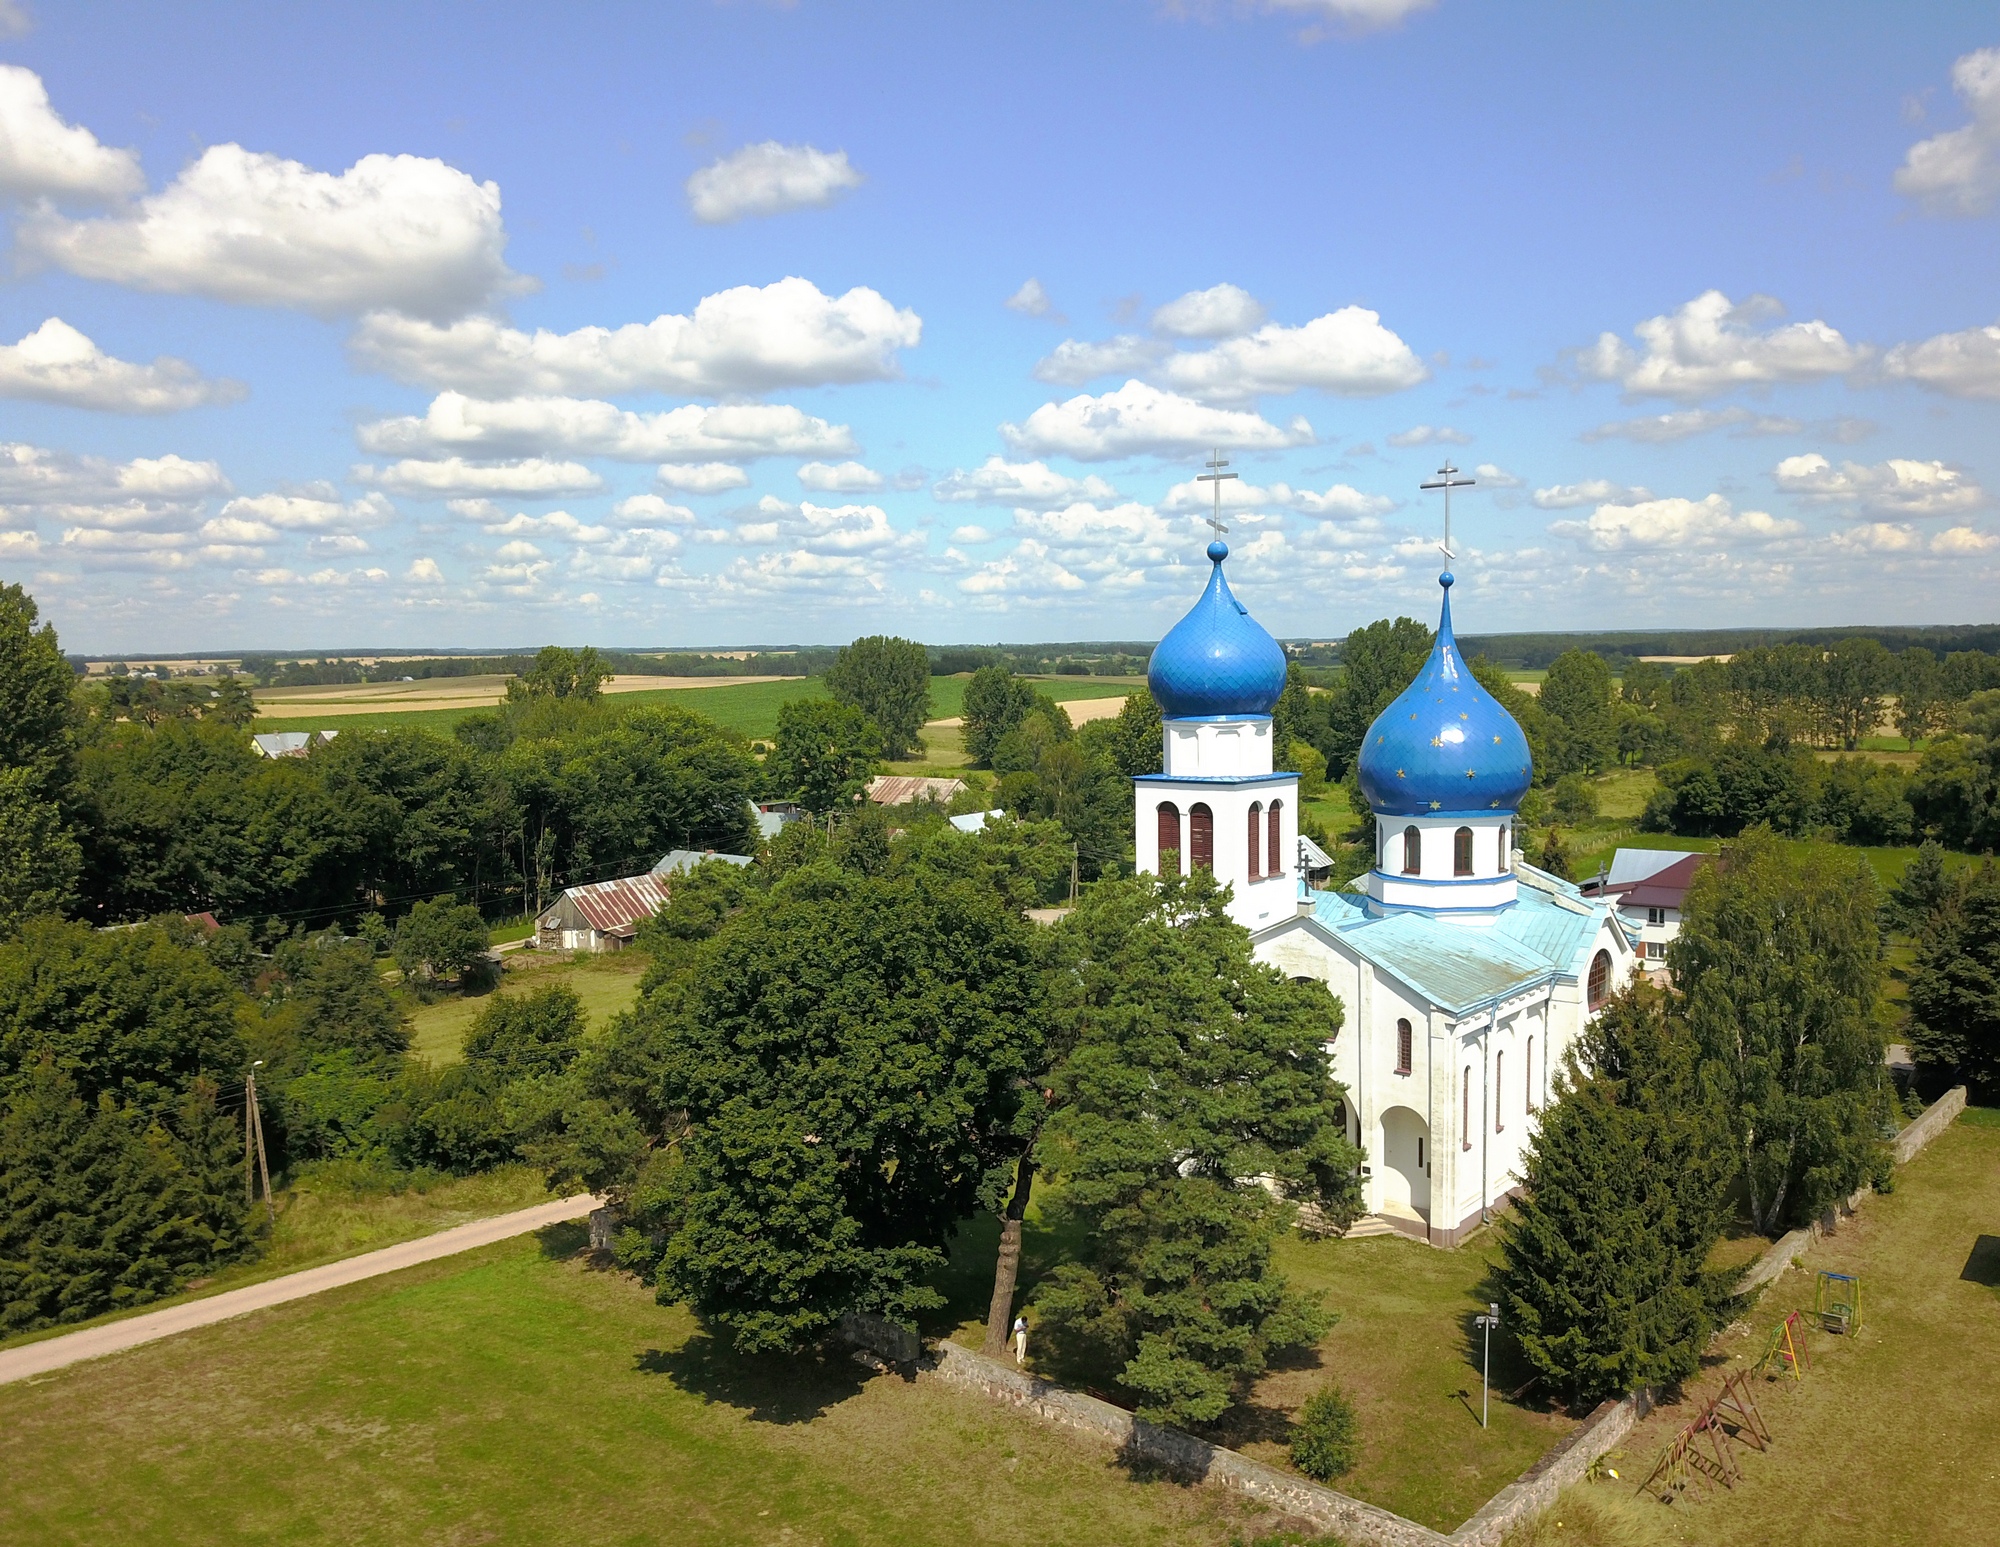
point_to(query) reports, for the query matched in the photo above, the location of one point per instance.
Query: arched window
(1201, 837)
(1403, 1048)
(1170, 838)
(1499, 1065)
(1506, 839)
(1600, 978)
(1275, 849)
(1413, 852)
(1528, 1077)
(1465, 1110)
(1256, 839)
(1381, 845)
(1461, 852)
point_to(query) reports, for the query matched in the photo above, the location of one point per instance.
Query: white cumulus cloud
(319, 509)
(1221, 311)
(1592, 491)
(1031, 300)
(840, 478)
(997, 481)
(1897, 487)
(702, 477)
(1429, 435)
(562, 426)
(406, 233)
(1675, 523)
(1340, 502)
(1964, 540)
(528, 478)
(1075, 361)
(745, 339)
(1348, 353)
(41, 157)
(769, 179)
(1958, 172)
(36, 475)
(424, 572)
(1964, 364)
(57, 364)
(1712, 345)
(1138, 419)
(1681, 423)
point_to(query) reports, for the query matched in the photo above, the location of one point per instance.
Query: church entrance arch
(1406, 1155)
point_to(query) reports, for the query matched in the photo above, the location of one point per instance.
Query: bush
(1327, 1441)
(1574, 799)
(439, 939)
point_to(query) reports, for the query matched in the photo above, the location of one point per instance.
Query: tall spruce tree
(1193, 1071)
(1954, 993)
(1603, 1257)
(1779, 957)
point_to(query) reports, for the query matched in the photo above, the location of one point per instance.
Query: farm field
(1893, 1435)
(746, 705)
(606, 984)
(514, 1395)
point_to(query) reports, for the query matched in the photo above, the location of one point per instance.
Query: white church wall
(1259, 902)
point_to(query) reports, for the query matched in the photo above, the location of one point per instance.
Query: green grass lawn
(512, 1395)
(1403, 1349)
(1893, 1437)
(338, 1211)
(606, 984)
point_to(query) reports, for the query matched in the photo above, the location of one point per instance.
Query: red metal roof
(618, 907)
(1662, 889)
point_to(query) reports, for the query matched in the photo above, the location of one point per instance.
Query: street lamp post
(1486, 1325)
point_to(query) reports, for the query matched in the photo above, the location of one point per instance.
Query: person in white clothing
(1020, 1341)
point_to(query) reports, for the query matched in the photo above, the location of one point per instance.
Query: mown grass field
(1893, 1437)
(513, 1395)
(606, 984)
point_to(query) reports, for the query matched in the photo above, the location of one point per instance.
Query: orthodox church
(1465, 973)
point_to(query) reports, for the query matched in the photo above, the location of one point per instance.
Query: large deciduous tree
(1604, 1255)
(824, 754)
(838, 1070)
(888, 680)
(1576, 698)
(1779, 957)
(1192, 1076)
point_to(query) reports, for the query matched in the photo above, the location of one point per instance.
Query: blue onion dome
(1217, 660)
(1445, 746)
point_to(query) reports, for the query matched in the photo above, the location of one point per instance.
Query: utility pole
(256, 1125)
(1487, 1323)
(249, 1127)
(1072, 874)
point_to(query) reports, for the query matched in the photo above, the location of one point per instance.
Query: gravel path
(113, 1337)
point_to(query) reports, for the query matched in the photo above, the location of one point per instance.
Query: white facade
(1226, 809)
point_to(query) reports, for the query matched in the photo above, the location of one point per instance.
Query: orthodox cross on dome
(1218, 477)
(1447, 480)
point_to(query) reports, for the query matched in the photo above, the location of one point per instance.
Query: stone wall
(1940, 1115)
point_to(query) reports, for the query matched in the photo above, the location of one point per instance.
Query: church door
(1406, 1158)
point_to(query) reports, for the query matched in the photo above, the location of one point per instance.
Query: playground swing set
(1703, 1452)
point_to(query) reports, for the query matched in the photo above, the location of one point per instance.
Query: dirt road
(113, 1337)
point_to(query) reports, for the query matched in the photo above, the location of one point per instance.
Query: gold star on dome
(1496, 741)
(1437, 741)
(1471, 773)
(1399, 773)
(1465, 716)
(1435, 804)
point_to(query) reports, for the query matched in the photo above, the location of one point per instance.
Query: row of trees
(1758, 1073)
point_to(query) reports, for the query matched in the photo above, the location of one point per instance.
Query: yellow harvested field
(1081, 712)
(446, 693)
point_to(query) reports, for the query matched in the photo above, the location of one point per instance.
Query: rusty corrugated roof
(618, 907)
(901, 789)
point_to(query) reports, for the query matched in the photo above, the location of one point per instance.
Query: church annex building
(1465, 972)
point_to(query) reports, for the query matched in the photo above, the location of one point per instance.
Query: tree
(561, 674)
(1955, 985)
(1132, 736)
(1377, 663)
(40, 859)
(437, 939)
(1574, 799)
(530, 1035)
(1779, 957)
(135, 1013)
(1576, 697)
(1859, 676)
(834, 1080)
(824, 753)
(37, 720)
(1920, 700)
(1327, 1441)
(889, 681)
(1193, 1071)
(1922, 892)
(1603, 1257)
(1642, 685)
(996, 701)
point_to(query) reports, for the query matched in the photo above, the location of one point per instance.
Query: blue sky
(726, 323)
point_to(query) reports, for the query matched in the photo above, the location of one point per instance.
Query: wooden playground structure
(1704, 1450)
